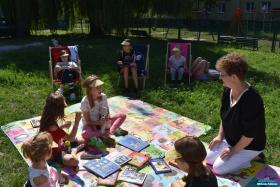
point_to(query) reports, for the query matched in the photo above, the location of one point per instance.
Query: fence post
(274, 39)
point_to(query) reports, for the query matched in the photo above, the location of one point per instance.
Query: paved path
(4, 48)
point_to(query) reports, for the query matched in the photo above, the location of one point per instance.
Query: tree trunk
(22, 18)
(95, 30)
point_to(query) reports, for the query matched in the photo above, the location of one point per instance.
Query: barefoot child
(39, 149)
(189, 156)
(54, 111)
(96, 119)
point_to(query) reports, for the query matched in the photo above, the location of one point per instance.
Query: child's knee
(122, 116)
(199, 58)
(220, 168)
(85, 135)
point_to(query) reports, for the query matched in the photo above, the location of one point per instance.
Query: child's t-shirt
(95, 113)
(66, 65)
(127, 58)
(49, 173)
(177, 63)
(58, 136)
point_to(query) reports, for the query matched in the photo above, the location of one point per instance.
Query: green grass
(24, 86)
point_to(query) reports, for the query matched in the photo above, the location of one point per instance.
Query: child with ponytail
(38, 150)
(189, 156)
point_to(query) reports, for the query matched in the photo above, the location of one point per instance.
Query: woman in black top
(189, 155)
(242, 130)
(126, 61)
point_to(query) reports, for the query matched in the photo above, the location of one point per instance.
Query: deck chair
(142, 61)
(185, 48)
(54, 58)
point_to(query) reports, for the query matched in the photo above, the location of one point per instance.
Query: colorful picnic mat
(161, 128)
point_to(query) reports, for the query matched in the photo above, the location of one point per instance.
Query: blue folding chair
(142, 61)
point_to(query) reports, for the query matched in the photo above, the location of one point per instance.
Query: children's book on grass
(109, 181)
(133, 143)
(138, 159)
(132, 176)
(102, 167)
(159, 165)
(35, 123)
(118, 158)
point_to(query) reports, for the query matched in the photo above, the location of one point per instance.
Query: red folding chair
(54, 58)
(185, 48)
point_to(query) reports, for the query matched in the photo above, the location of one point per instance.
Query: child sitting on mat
(189, 155)
(96, 119)
(54, 111)
(39, 149)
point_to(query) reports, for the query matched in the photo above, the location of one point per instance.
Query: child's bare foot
(63, 179)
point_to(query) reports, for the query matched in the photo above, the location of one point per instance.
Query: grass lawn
(24, 86)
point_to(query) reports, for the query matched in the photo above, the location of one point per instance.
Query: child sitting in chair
(96, 119)
(39, 149)
(67, 71)
(177, 65)
(126, 61)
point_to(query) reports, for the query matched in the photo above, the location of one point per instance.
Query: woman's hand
(226, 153)
(217, 140)
(119, 62)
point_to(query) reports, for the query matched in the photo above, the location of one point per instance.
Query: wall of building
(232, 5)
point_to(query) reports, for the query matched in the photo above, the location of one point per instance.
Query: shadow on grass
(269, 79)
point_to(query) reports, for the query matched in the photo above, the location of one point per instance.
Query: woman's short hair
(233, 63)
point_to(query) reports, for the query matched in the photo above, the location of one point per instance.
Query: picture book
(102, 167)
(88, 155)
(138, 159)
(109, 181)
(133, 143)
(132, 176)
(118, 158)
(159, 165)
(153, 152)
(35, 123)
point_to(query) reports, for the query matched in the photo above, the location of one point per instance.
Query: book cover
(35, 123)
(159, 165)
(88, 155)
(153, 152)
(109, 181)
(102, 167)
(133, 143)
(132, 176)
(138, 159)
(118, 158)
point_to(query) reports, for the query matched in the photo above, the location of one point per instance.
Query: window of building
(250, 6)
(221, 6)
(266, 6)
